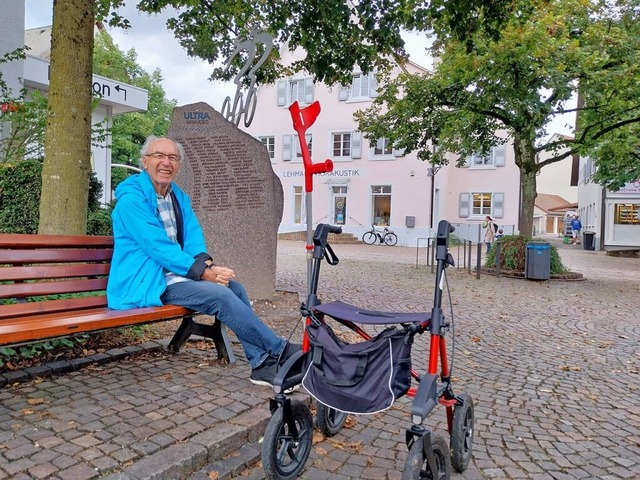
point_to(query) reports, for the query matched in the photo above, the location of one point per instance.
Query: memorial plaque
(235, 193)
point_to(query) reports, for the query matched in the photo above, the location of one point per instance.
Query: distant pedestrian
(489, 231)
(500, 234)
(576, 226)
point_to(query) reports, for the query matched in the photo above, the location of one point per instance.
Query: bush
(20, 187)
(20, 196)
(513, 250)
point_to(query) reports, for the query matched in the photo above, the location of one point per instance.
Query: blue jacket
(142, 247)
(576, 224)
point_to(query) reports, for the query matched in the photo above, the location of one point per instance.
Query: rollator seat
(344, 312)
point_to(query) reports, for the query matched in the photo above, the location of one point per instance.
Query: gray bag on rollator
(365, 377)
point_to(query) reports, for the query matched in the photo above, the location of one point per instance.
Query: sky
(185, 79)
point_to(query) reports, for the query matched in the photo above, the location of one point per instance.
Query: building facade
(374, 184)
(613, 216)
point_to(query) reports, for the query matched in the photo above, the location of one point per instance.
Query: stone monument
(235, 193)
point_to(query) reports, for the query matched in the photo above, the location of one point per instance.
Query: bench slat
(17, 330)
(16, 240)
(14, 257)
(23, 290)
(54, 271)
(51, 306)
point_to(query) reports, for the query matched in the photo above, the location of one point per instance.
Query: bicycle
(385, 236)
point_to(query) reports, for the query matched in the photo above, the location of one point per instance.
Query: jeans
(231, 306)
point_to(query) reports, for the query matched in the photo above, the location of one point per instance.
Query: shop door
(339, 205)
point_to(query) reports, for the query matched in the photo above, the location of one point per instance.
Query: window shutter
(497, 205)
(286, 147)
(373, 85)
(356, 145)
(498, 155)
(398, 152)
(282, 92)
(308, 91)
(343, 93)
(463, 207)
(468, 161)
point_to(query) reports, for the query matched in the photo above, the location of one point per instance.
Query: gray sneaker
(264, 373)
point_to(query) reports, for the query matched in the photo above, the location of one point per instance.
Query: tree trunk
(525, 157)
(67, 154)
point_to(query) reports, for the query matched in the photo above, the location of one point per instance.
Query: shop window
(298, 207)
(626, 214)
(381, 204)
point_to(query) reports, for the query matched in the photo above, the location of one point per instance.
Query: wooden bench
(54, 286)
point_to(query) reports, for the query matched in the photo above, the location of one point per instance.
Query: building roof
(39, 42)
(553, 203)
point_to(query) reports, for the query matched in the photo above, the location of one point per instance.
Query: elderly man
(160, 258)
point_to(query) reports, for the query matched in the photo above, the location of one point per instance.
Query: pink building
(375, 183)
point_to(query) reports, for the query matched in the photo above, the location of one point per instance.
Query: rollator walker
(338, 375)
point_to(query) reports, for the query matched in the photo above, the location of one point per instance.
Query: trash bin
(537, 261)
(589, 240)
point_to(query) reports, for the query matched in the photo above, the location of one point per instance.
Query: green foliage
(350, 34)
(20, 185)
(20, 196)
(27, 117)
(33, 350)
(99, 222)
(130, 130)
(520, 81)
(513, 250)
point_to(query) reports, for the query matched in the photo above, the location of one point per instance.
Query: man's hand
(219, 275)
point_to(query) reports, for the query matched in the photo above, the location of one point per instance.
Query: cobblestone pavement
(553, 367)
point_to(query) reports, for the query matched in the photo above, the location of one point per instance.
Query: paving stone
(562, 392)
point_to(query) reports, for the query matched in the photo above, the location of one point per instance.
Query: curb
(75, 364)
(226, 449)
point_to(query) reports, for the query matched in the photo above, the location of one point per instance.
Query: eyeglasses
(161, 156)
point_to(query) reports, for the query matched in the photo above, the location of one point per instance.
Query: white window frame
(269, 141)
(297, 157)
(362, 88)
(382, 149)
(495, 158)
(344, 150)
(466, 208)
(291, 151)
(354, 145)
(295, 89)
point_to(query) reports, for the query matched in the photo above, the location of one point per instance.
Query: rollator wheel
(329, 420)
(283, 456)
(462, 433)
(417, 465)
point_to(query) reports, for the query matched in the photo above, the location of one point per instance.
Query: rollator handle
(321, 244)
(442, 239)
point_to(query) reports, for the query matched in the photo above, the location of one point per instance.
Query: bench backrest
(37, 266)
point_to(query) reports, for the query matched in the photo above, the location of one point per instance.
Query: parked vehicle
(385, 236)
